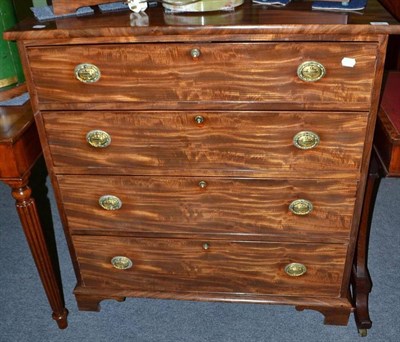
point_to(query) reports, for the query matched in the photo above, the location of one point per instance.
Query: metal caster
(363, 332)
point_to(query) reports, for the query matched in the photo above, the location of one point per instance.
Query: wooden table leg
(361, 279)
(30, 221)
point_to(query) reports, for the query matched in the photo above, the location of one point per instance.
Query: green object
(39, 3)
(10, 65)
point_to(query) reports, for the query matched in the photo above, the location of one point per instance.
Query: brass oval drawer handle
(295, 269)
(199, 119)
(311, 71)
(121, 262)
(301, 207)
(87, 73)
(110, 202)
(306, 140)
(195, 53)
(98, 138)
(203, 184)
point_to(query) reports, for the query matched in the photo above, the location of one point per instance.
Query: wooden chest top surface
(295, 18)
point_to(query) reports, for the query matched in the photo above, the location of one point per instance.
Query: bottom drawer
(180, 265)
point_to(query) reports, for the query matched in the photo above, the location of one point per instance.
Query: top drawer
(206, 74)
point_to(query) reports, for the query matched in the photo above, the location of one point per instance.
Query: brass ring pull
(121, 262)
(301, 207)
(195, 53)
(199, 119)
(306, 140)
(295, 269)
(98, 138)
(87, 73)
(110, 202)
(203, 184)
(311, 71)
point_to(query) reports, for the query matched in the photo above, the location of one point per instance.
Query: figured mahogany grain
(227, 206)
(247, 143)
(226, 266)
(233, 72)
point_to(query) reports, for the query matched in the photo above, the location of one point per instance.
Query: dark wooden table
(385, 162)
(19, 150)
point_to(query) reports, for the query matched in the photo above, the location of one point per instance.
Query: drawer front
(223, 72)
(179, 265)
(246, 143)
(213, 206)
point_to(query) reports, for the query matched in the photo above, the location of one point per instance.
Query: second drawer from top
(255, 144)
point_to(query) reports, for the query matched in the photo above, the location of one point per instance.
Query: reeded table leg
(361, 279)
(28, 215)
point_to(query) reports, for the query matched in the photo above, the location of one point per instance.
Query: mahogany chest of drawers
(216, 162)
